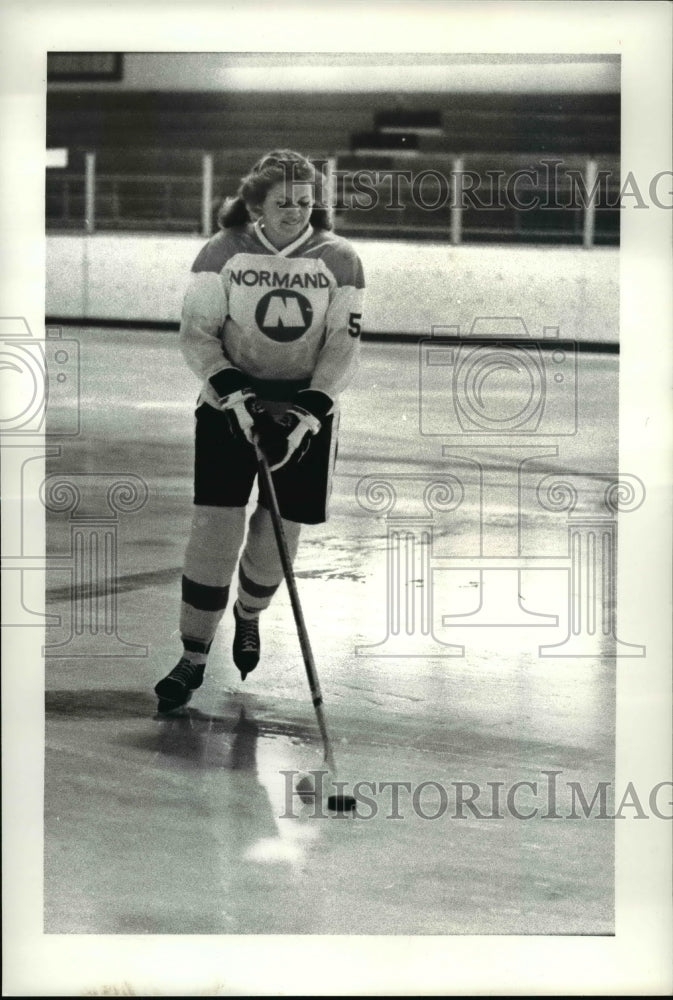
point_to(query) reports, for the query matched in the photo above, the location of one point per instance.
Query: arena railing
(471, 197)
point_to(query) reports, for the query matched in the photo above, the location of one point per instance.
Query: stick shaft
(302, 632)
(304, 642)
(288, 570)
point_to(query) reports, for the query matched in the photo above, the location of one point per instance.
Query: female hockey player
(270, 325)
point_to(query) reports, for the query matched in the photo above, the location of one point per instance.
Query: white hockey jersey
(280, 316)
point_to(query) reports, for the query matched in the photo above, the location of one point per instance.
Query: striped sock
(198, 659)
(260, 571)
(245, 612)
(195, 651)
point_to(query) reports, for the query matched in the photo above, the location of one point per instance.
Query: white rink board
(410, 286)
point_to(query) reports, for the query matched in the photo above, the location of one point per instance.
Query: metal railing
(460, 199)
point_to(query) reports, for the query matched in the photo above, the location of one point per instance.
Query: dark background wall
(325, 123)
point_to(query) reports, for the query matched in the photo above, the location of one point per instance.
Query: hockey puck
(305, 789)
(341, 803)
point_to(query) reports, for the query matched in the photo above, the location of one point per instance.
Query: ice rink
(444, 569)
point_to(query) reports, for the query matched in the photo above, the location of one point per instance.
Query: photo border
(638, 958)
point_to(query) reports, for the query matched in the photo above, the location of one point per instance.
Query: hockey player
(270, 324)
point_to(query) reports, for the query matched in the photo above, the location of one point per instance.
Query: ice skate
(176, 688)
(246, 647)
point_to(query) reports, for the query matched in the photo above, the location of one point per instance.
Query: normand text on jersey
(271, 279)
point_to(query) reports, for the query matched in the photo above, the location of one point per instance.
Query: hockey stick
(336, 802)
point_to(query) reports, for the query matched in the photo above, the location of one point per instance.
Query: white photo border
(638, 959)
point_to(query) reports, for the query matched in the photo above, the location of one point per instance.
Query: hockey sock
(201, 610)
(260, 571)
(248, 613)
(212, 550)
(198, 659)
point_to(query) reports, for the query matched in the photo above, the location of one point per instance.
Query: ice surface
(179, 825)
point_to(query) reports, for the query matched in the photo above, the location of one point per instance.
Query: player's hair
(272, 168)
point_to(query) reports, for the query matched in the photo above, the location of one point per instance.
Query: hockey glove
(238, 402)
(291, 435)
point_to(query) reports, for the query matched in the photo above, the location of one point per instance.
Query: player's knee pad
(214, 543)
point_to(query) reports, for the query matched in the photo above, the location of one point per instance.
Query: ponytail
(234, 212)
(321, 218)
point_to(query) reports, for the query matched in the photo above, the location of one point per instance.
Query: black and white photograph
(336, 444)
